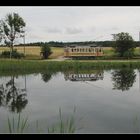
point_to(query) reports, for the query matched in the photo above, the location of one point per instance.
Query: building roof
(91, 45)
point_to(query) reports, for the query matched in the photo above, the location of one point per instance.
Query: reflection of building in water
(84, 77)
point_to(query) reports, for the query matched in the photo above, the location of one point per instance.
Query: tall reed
(18, 125)
(64, 126)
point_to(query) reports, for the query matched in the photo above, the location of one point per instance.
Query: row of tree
(63, 44)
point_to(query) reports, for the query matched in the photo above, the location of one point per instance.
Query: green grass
(64, 126)
(109, 52)
(26, 66)
(137, 51)
(17, 125)
(20, 125)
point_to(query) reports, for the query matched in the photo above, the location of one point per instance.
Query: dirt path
(60, 58)
(63, 59)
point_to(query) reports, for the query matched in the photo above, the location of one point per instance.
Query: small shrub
(128, 54)
(14, 54)
(45, 51)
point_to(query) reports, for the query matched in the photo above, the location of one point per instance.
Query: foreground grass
(18, 124)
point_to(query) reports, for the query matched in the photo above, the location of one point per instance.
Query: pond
(105, 101)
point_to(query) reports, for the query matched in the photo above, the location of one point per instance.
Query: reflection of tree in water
(46, 77)
(13, 97)
(123, 79)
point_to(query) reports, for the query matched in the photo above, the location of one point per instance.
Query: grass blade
(9, 125)
(18, 123)
(23, 125)
(13, 125)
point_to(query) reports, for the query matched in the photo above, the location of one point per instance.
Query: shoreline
(19, 67)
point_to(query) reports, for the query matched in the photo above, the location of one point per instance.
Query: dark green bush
(14, 54)
(128, 54)
(45, 51)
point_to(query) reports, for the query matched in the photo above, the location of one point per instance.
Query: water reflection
(123, 79)
(46, 77)
(93, 75)
(13, 97)
(99, 107)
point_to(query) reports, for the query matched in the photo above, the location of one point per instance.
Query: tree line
(63, 44)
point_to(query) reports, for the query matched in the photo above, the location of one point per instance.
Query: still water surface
(106, 101)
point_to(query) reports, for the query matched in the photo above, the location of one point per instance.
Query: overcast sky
(72, 23)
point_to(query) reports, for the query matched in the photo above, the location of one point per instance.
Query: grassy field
(33, 52)
(56, 52)
(108, 51)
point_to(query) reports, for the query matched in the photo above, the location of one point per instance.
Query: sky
(76, 23)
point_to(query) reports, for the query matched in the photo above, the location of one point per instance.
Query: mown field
(108, 51)
(33, 52)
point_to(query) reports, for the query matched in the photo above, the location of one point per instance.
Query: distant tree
(124, 44)
(11, 28)
(45, 51)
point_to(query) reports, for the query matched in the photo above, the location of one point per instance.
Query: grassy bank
(19, 66)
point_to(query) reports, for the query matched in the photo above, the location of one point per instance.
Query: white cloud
(73, 30)
(53, 30)
(76, 23)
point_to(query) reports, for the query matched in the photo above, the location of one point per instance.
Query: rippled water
(106, 101)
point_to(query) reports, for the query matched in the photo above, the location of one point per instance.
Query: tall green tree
(11, 27)
(124, 44)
